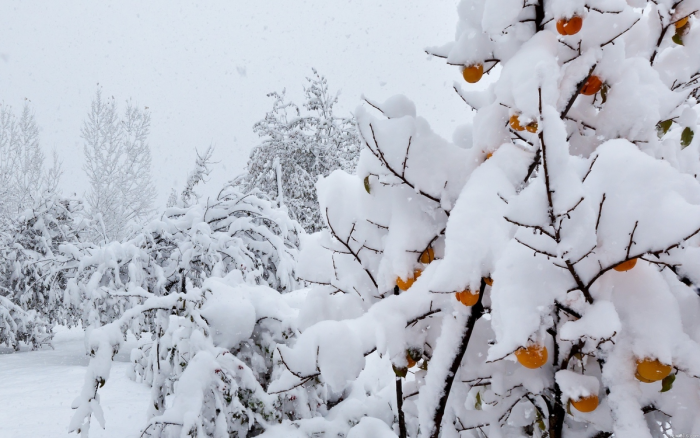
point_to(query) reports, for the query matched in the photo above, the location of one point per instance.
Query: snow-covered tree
(34, 223)
(34, 262)
(198, 175)
(25, 180)
(564, 302)
(35, 270)
(206, 282)
(118, 165)
(298, 148)
(18, 325)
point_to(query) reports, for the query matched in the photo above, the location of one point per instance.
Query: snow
(477, 240)
(45, 382)
(575, 386)
(371, 428)
(599, 322)
(231, 316)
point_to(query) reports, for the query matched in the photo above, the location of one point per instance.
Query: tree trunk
(477, 313)
(399, 407)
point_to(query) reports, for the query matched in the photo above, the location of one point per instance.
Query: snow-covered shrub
(18, 325)
(297, 149)
(234, 232)
(569, 223)
(202, 356)
(35, 266)
(206, 282)
(237, 231)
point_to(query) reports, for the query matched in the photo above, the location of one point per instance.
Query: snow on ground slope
(37, 388)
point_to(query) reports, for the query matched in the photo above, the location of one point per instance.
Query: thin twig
(590, 169)
(629, 246)
(545, 253)
(620, 34)
(600, 212)
(347, 246)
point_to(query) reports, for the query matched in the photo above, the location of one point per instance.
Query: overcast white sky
(204, 68)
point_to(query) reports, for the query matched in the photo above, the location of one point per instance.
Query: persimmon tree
(563, 301)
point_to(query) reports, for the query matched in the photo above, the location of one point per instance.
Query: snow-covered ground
(37, 388)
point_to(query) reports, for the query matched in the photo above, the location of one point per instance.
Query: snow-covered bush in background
(563, 302)
(35, 221)
(35, 266)
(18, 325)
(297, 149)
(206, 282)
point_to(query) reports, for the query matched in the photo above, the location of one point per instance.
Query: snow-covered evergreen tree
(563, 302)
(298, 148)
(118, 165)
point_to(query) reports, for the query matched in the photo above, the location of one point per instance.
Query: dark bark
(399, 396)
(556, 415)
(539, 16)
(477, 313)
(399, 407)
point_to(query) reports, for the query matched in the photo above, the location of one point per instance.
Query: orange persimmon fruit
(570, 26)
(467, 298)
(473, 73)
(532, 356)
(406, 284)
(427, 256)
(652, 370)
(515, 123)
(409, 359)
(592, 86)
(626, 266)
(642, 379)
(586, 404)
